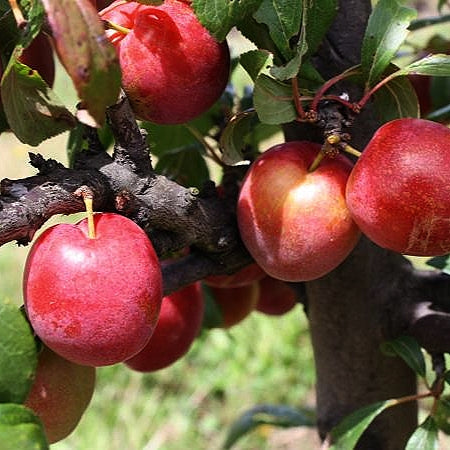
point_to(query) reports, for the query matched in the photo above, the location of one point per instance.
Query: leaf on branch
(35, 15)
(32, 109)
(425, 437)
(409, 350)
(441, 263)
(220, 16)
(435, 65)
(254, 61)
(283, 19)
(18, 358)
(232, 140)
(347, 433)
(20, 428)
(273, 101)
(386, 30)
(184, 165)
(396, 99)
(87, 55)
(278, 415)
(442, 414)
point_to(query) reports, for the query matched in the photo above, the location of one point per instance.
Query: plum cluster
(299, 224)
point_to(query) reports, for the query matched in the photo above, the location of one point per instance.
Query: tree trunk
(348, 308)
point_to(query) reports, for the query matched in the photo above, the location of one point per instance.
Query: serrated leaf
(385, 32)
(441, 263)
(347, 433)
(18, 357)
(425, 437)
(291, 68)
(278, 415)
(396, 99)
(20, 429)
(232, 140)
(283, 18)
(409, 350)
(435, 65)
(320, 16)
(442, 414)
(273, 101)
(316, 17)
(220, 16)
(254, 61)
(32, 109)
(258, 33)
(88, 57)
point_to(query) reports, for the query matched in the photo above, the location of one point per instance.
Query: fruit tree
(356, 186)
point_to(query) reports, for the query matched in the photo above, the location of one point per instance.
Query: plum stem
(88, 198)
(317, 160)
(351, 150)
(88, 201)
(116, 26)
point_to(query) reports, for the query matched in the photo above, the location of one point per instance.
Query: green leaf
(436, 65)
(185, 165)
(232, 140)
(273, 101)
(220, 16)
(88, 57)
(278, 415)
(18, 356)
(316, 18)
(320, 16)
(385, 32)
(396, 99)
(283, 18)
(76, 143)
(290, 69)
(32, 109)
(254, 61)
(347, 433)
(409, 350)
(425, 437)
(442, 414)
(258, 33)
(212, 317)
(441, 263)
(20, 429)
(35, 15)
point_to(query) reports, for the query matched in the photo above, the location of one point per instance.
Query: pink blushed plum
(173, 70)
(93, 301)
(178, 325)
(295, 223)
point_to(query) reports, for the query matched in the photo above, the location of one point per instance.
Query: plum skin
(173, 70)
(178, 325)
(295, 223)
(93, 301)
(399, 190)
(60, 393)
